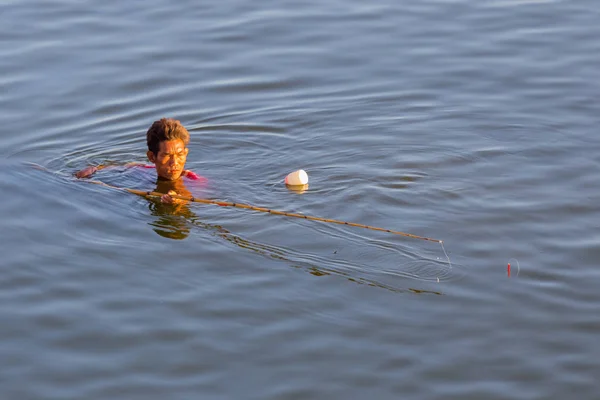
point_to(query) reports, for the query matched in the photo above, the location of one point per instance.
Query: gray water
(469, 122)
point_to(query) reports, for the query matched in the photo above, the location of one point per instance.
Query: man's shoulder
(194, 176)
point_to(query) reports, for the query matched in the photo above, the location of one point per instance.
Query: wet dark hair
(165, 129)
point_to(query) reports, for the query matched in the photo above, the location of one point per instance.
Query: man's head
(167, 147)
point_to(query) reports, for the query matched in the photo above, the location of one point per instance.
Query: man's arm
(91, 170)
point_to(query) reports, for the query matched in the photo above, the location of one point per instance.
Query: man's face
(170, 159)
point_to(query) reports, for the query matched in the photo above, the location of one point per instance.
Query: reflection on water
(175, 221)
(168, 222)
(298, 189)
(171, 219)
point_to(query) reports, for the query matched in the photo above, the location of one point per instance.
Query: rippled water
(469, 122)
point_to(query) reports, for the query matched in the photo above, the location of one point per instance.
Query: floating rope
(263, 209)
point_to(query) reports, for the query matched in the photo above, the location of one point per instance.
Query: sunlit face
(170, 159)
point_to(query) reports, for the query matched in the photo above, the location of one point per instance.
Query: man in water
(167, 143)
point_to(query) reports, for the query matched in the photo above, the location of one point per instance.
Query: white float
(297, 178)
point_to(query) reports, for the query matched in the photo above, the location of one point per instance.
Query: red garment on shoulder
(195, 177)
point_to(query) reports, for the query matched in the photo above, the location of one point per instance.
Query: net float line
(254, 208)
(265, 210)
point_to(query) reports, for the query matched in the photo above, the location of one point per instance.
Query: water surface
(473, 123)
